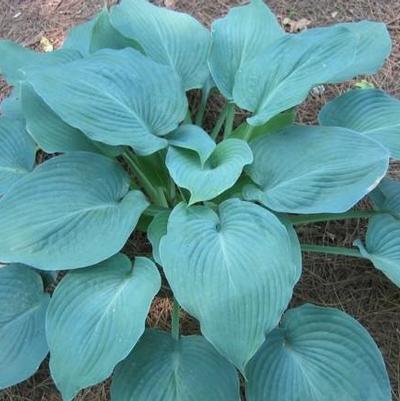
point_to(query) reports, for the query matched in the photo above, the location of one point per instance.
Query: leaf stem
(315, 218)
(175, 320)
(219, 123)
(333, 250)
(247, 133)
(203, 104)
(230, 115)
(152, 192)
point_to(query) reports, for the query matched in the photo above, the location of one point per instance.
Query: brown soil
(346, 283)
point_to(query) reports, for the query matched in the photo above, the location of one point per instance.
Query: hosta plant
(122, 149)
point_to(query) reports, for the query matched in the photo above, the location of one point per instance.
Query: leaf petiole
(175, 320)
(333, 250)
(320, 217)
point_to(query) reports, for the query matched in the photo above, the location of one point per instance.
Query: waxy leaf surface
(95, 318)
(167, 36)
(72, 211)
(318, 354)
(17, 152)
(239, 37)
(118, 97)
(233, 270)
(161, 368)
(23, 343)
(371, 112)
(306, 169)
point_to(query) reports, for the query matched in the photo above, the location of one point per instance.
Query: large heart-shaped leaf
(304, 169)
(301, 62)
(161, 368)
(118, 97)
(221, 170)
(167, 36)
(14, 57)
(373, 47)
(96, 34)
(72, 211)
(23, 343)
(318, 354)
(233, 270)
(369, 111)
(382, 245)
(17, 152)
(243, 34)
(95, 318)
(193, 137)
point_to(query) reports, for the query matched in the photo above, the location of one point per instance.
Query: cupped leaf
(233, 270)
(72, 211)
(96, 34)
(161, 368)
(167, 36)
(382, 245)
(118, 97)
(239, 37)
(194, 138)
(17, 152)
(156, 230)
(373, 48)
(221, 170)
(14, 57)
(318, 354)
(300, 62)
(386, 197)
(23, 343)
(95, 318)
(304, 169)
(368, 111)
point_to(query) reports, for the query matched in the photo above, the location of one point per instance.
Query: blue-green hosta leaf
(51, 133)
(96, 34)
(17, 152)
(14, 57)
(156, 230)
(386, 197)
(23, 343)
(194, 138)
(373, 47)
(221, 170)
(304, 169)
(233, 270)
(72, 211)
(318, 354)
(243, 34)
(382, 245)
(161, 368)
(301, 62)
(11, 106)
(118, 97)
(369, 111)
(95, 318)
(167, 36)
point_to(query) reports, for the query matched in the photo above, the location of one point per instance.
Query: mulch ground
(346, 283)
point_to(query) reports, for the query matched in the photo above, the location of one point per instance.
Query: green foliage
(125, 150)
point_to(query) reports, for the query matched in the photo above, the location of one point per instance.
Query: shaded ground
(349, 284)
